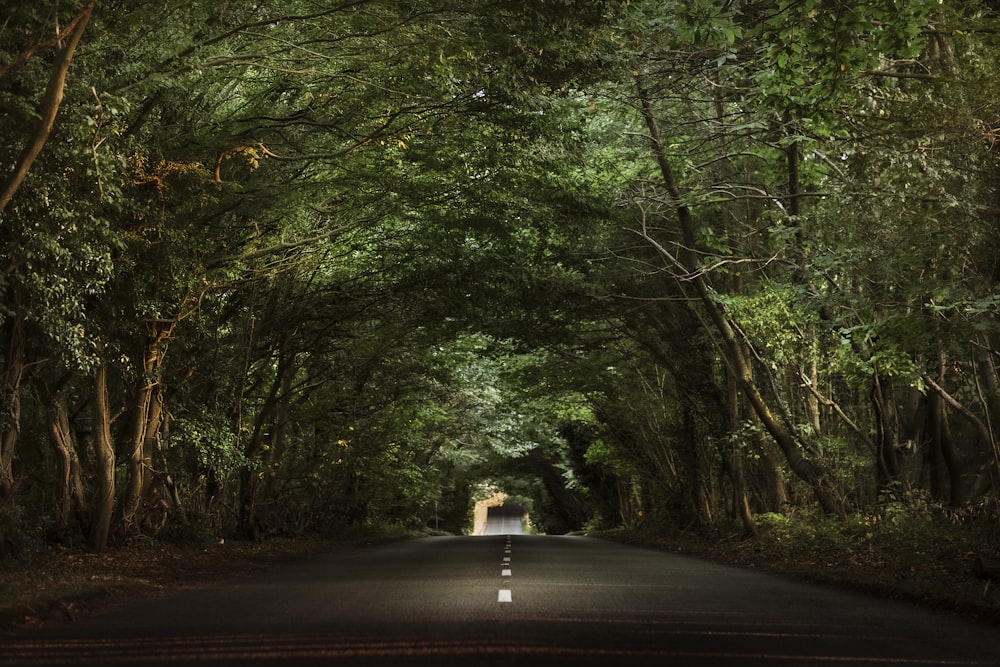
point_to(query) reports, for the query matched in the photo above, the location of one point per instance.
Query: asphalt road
(502, 600)
(504, 521)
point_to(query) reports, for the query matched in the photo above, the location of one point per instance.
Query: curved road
(510, 600)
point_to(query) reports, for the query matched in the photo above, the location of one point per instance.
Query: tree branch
(27, 55)
(901, 75)
(49, 107)
(216, 262)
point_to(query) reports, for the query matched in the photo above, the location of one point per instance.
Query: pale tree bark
(62, 442)
(146, 419)
(70, 496)
(48, 108)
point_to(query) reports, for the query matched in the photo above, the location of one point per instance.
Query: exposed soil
(63, 584)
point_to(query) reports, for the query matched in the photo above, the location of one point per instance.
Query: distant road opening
(506, 519)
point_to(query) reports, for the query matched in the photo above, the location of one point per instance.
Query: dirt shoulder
(64, 584)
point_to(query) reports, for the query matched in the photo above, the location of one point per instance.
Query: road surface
(510, 600)
(504, 520)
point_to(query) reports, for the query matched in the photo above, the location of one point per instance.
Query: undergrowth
(917, 551)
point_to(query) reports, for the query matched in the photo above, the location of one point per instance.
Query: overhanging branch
(49, 107)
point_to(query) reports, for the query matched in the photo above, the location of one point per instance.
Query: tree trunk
(808, 351)
(136, 464)
(694, 473)
(812, 401)
(990, 397)
(774, 490)
(949, 458)
(70, 497)
(949, 454)
(741, 501)
(168, 482)
(886, 457)
(145, 422)
(159, 497)
(933, 459)
(248, 525)
(944, 467)
(10, 414)
(732, 459)
(104, 450)
(953, 463)
(270, 416)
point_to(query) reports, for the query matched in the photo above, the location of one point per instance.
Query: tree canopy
(297, 267)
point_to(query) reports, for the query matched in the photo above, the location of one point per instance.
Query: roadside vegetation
(928, 557)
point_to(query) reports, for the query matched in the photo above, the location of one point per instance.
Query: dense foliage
(296, 266)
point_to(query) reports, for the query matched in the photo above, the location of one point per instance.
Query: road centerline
(504, 594)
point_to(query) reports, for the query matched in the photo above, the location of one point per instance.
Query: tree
(749, 200)
(364, 256)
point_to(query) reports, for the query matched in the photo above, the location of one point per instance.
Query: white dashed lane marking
(504, 593)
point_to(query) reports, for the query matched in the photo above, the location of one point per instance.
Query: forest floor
(60, 584)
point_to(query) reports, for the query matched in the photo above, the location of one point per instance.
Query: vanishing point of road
(512, 600)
